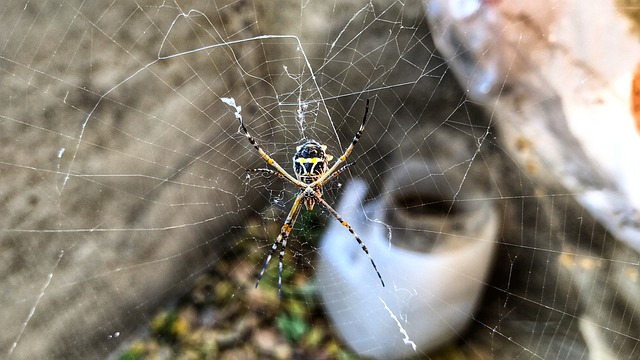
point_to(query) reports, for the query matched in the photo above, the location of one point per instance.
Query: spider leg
(335, 214)
(283, 248)
(324, 178)
(337, 172)
(268, 158)
(282, 241)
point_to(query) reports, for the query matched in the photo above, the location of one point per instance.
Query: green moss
(293, 327)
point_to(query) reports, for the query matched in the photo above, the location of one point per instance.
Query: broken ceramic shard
(434, 249)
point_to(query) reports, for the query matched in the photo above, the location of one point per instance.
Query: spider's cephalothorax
(311, 167)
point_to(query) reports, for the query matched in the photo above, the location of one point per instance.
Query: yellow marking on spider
(309, 160)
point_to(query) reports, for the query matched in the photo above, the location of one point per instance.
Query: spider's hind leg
(282, 241)
(335, 214)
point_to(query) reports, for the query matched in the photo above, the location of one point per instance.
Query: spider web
(125, 193)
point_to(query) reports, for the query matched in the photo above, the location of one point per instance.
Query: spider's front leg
(282, 173)
(282, 240)
(337, 172)
(342, 159)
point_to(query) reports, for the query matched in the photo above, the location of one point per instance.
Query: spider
(312, 172)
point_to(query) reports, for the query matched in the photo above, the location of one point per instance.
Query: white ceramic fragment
(434, 265)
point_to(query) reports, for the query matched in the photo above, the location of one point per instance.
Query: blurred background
(130, 228)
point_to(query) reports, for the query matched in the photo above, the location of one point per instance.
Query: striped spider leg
(312, 172)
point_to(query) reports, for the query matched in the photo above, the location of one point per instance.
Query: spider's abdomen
(310, 161)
